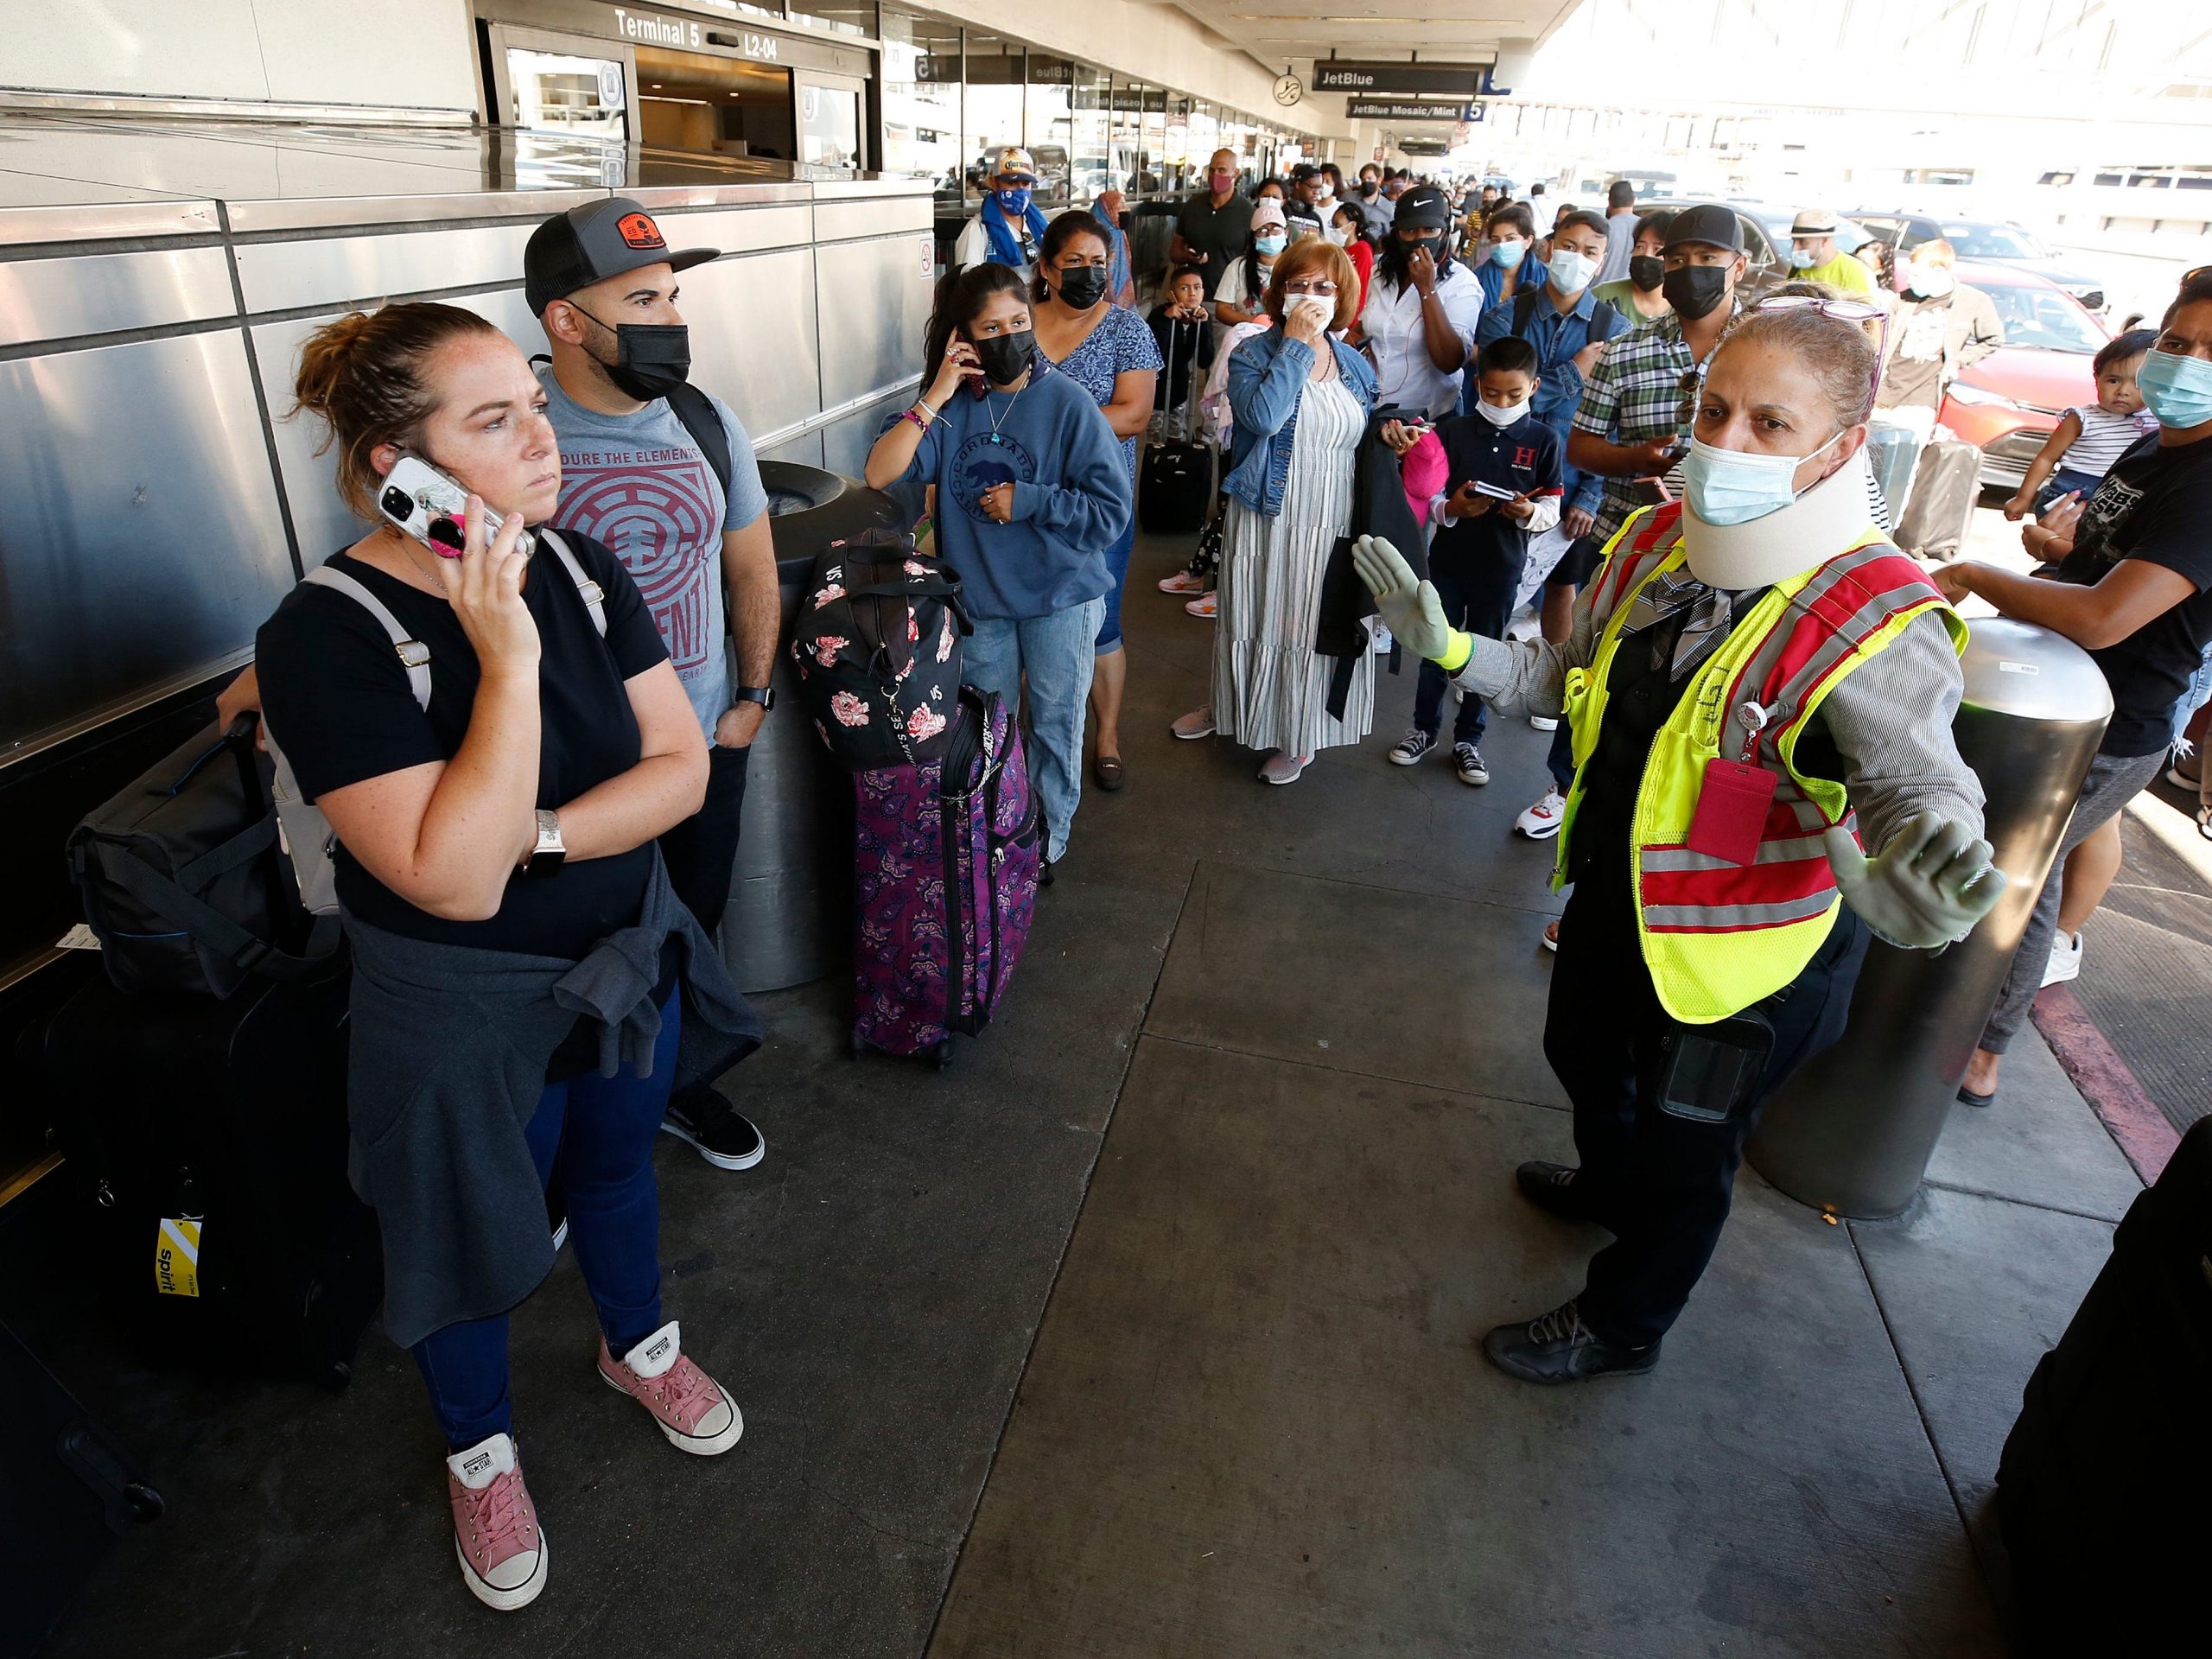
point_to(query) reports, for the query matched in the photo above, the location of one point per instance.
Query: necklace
(407, 547)
(1000, 415)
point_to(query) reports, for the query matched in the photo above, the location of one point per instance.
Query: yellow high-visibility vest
(1718, 937)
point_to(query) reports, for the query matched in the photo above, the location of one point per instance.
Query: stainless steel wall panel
(323, 521)
(94, 294)
(329, 212)
(141, 540)
(877, 340)
(845, 443)
(66, 210)
(752, 334)
(748, 230)
(842, 221)
(806, 449)
(334, 270)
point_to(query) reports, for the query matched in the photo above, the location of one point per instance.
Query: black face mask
(1646, 271)
(1694, 290)
(1367, 189)
(1004, 357)
(1082, 286)
(649, 357)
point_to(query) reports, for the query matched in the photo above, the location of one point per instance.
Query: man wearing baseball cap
(1816, 256)
(663, 473)
(1006, 228)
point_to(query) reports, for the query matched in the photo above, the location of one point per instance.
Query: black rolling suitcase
(1946, 484)
(1175, 476)
(2101, 1488)
(209, 1140)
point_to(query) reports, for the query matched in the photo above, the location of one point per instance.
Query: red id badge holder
(1734, 799)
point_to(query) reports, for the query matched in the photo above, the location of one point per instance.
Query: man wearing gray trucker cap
(662, 473)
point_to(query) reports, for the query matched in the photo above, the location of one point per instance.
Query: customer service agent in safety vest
(1759, 686)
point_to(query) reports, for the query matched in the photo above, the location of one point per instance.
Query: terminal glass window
(845, 19)
(991, 116)
(1156, 166)
(727, 106)
(828, 124)
(1049, 123)
(1128, 158)
(921, 80)
(1092, 160)
(555, 92)
(1206, 138)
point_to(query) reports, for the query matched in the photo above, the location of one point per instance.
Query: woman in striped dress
(1301, 400)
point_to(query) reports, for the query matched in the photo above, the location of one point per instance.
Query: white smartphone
(419, 500)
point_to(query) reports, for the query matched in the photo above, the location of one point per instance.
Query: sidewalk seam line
(2006, 1197)
(1059, 1265)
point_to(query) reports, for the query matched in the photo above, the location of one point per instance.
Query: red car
(2008, 402)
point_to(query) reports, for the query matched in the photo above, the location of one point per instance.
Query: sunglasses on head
(1858, 312)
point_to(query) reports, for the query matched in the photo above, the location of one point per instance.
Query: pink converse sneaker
(495, 1530)
(688, 1404)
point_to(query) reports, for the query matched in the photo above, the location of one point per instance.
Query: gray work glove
(1409, 605)
(1926, 888)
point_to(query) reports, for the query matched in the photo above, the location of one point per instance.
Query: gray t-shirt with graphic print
(641, 485)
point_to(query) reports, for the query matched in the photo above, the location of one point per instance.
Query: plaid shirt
(1644, 386)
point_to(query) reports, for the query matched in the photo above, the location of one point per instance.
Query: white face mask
(1504, 414)
(1322, 305)
(1931, 281)
(1340, 235)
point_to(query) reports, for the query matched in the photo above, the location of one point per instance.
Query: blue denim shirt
(1266, 381)
(1557, 335)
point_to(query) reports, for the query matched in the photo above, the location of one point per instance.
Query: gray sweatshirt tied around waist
(448, 1055)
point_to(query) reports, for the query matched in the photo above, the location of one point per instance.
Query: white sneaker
(1541, 821)
(1197, 723)
(2065, 962)
(1544, 722)
(1204, 608)
(1382, 641)
(1281, 768)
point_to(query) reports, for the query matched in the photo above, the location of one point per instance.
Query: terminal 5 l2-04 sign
(1453, 80)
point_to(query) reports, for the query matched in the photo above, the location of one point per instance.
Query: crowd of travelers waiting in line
(1469, 400)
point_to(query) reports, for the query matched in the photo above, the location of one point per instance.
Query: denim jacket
(1266, 379)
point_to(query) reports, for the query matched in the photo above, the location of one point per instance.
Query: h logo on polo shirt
(638, 231)
(1524, 456)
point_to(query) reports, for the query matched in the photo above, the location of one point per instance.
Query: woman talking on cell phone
(1031, 496)
(517, 951)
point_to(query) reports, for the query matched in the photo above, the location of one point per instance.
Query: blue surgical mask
(1506, 255)
(1732, 487)
(2178, 389)
(1015, 199)
(1800, 258)
(1267, 247)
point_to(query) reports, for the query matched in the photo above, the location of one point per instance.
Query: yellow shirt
(1843, 272)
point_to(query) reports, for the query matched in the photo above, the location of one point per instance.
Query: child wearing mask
(2089, 437)
(1501, 486)
(1348, 229)
(1238, 298)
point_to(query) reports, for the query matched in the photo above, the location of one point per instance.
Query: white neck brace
(1823, 522)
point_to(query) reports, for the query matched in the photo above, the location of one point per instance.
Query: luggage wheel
(942, 1053)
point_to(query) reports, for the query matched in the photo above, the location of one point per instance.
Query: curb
(2129, 1116)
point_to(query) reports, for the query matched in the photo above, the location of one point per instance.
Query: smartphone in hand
(419, 500)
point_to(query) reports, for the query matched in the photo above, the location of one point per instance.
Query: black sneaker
(1467, 766)
(1408, 749)
(1550, 1187)
(716, 1131)
(1559, 1348)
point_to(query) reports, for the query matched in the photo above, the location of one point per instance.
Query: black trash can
(790, 896)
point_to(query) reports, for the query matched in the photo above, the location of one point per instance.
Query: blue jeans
(1054, 653)
(601, 1132)
(1476, 592)
(1117, 567)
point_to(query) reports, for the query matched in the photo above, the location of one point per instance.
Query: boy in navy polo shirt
(1502, 486)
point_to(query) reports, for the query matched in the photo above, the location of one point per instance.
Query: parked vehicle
(2007, 403)
(1988, 241)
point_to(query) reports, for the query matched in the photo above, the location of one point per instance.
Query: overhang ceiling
(1279, 32)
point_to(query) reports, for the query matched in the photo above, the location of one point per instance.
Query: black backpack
(878, 648)
(182, 880)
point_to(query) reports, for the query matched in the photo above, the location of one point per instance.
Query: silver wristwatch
(550, 852)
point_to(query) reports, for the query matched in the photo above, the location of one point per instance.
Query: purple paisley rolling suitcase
(945, 859)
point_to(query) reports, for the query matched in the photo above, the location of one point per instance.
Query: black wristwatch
(763, 694)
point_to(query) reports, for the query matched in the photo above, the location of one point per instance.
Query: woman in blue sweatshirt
(1031, 495)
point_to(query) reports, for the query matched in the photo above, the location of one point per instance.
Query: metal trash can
(790, 894)
(1852, 1132)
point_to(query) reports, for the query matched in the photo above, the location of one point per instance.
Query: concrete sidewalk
(1147, 1329)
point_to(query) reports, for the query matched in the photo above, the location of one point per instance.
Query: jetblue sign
(1400, 109)
(1449, 79)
